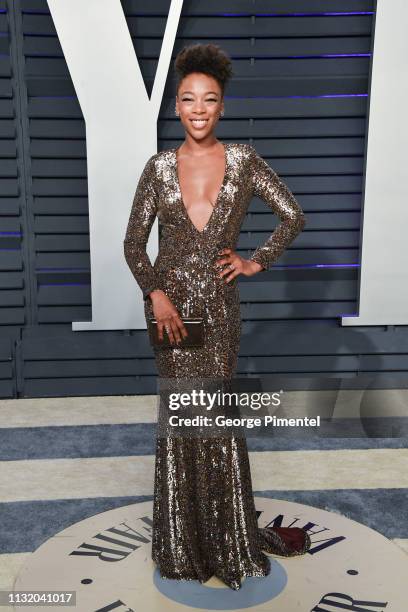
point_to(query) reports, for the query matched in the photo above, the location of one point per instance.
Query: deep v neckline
(221, 189)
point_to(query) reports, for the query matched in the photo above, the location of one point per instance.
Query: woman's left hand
(235, 264)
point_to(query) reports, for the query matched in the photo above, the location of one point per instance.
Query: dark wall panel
(299, 94)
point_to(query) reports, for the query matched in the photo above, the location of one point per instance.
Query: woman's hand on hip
(167, 317)
(235, 264)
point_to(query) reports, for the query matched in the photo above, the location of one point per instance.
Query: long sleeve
(142, 216)
(268, 186)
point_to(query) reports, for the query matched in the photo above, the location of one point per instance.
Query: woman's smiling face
(199, 101)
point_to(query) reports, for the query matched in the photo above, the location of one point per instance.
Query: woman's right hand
(167, 317)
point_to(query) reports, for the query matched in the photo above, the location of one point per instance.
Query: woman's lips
(199, 123)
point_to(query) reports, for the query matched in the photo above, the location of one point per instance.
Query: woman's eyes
(190, 100)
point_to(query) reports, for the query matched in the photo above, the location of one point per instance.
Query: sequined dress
(204, 517)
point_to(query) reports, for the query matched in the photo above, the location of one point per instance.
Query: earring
(176, 113)
(222, 113)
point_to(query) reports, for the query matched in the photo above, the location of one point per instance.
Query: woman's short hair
(206, 58)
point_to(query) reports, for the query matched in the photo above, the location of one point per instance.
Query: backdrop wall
(299, 95)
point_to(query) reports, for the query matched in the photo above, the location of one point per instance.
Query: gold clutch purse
(195, 333)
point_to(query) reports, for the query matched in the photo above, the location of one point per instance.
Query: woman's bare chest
(200, 181)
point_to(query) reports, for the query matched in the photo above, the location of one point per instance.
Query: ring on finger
(232, 267)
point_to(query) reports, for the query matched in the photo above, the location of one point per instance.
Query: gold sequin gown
(204, 517)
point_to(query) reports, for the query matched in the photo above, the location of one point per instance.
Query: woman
(204, 518)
